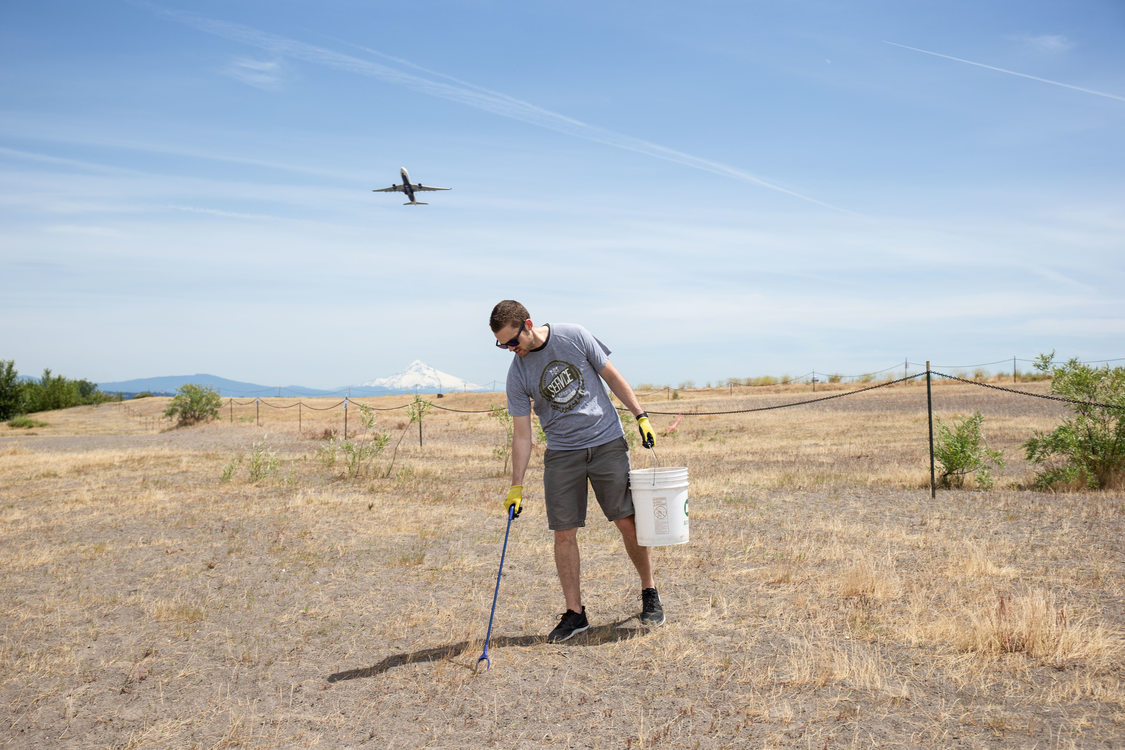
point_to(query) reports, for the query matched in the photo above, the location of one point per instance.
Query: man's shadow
(602, 634)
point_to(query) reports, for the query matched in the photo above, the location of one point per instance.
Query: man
(556, 371)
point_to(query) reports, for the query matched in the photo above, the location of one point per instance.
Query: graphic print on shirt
(561, 384)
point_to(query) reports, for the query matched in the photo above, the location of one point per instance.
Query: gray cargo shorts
(566, 472)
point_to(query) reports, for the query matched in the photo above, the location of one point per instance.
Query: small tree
(962, 451)
(359, 453)
(1087, 450)
(504, 451)
(417, 409)
(11, 394)
(51, 392)
(194, 403)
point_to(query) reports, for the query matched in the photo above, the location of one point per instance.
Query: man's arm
(621, 388)
(521, 447)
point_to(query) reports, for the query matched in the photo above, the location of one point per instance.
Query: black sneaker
(652, 614)
(571, 623)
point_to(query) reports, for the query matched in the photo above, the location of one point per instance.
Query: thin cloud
(257, 73)
(92, 231)
(222, 214)
(1009, 72)
(1050, 43)
(57, 161)
(473, 96)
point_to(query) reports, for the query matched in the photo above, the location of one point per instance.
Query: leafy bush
(194, 403)
(51, 392)
(262, 461)
(11, 394)
(48, 393)
(1087, 450)
(25, 422)
(358, 453)
(962, 451)
(628, 424)
(229, 469)
(504, 451)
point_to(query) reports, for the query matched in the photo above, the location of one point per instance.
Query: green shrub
(962, 451)
(504, 450)
(229, 469)
(628, 424)
(1088, 449)
(51, 392)
(262, 461)
(194, 403)
(25, 422)
(358, 453)
(11, 394)
(1031, 377)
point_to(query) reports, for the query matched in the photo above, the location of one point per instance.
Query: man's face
(513, 338)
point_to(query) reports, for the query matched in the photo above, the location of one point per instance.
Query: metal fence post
(257, 411)
(930, 413)
(345, 417)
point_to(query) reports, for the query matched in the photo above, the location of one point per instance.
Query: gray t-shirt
(561, 381)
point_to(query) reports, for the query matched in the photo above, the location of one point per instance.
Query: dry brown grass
(825, 599)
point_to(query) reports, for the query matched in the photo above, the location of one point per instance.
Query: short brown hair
(507, 312)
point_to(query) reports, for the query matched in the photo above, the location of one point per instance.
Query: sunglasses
(514, 342)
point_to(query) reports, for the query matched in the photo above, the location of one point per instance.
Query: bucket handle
(656, 464)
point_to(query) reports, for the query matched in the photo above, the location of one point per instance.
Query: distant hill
(167, 385)
(417, 378)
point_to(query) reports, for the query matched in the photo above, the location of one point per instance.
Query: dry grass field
(228, 585)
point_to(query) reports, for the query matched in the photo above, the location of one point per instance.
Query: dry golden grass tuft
(1033, 623)
(825, 599)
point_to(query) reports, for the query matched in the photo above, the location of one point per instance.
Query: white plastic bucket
(660, 500)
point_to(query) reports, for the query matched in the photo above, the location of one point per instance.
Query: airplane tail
(415, 203)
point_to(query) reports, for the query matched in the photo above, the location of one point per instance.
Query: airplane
(409, 189)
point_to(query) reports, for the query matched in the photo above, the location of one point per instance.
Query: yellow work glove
(513, 501)
(647, 438)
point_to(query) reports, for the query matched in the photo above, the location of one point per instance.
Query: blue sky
(715, 189)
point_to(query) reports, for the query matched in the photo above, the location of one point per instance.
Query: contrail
(1010, 72)
(472, 96)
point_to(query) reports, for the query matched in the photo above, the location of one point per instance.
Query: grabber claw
(495, 596)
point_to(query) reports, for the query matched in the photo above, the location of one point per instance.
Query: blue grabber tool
(495, 596)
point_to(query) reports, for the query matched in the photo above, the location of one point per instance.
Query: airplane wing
(391, 189)
(420, 186)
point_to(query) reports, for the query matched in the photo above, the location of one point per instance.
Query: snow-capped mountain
(421, 377)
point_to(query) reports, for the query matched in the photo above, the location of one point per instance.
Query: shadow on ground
(598, 636)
